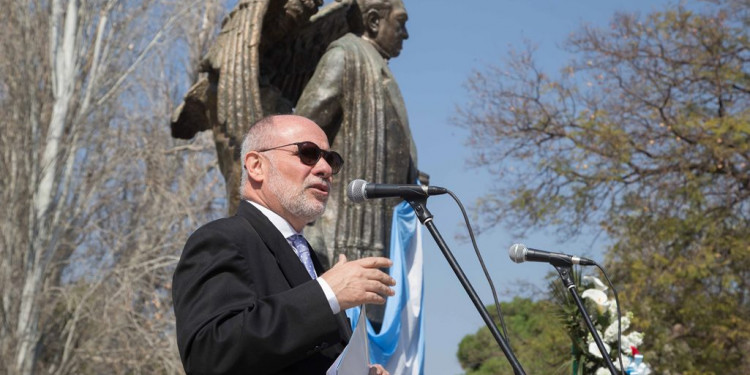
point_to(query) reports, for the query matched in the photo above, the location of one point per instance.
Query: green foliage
(531, 332)
(687, 278)
(647, 134)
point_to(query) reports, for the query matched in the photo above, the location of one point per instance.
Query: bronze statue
(241, 84)
(355, 99)
(271, 51)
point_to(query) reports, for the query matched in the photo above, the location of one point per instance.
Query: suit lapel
(288, 262)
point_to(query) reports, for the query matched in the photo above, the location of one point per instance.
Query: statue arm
(321, 101)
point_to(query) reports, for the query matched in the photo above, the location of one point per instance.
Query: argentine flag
(399, 346)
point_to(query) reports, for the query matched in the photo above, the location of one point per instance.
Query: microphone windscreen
(517, 252)
(356, 191)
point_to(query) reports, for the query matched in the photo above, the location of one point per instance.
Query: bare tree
(97, 197)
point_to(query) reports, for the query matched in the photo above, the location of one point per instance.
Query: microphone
(519, 253)
(360, 190)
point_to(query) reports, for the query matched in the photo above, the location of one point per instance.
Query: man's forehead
(301, 131)
(292, 124)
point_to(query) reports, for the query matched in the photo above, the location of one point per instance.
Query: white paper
(355, 359)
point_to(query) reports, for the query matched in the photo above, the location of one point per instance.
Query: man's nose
(322, 168)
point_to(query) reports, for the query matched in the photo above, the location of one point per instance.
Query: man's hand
(378, 370)
(360, 281)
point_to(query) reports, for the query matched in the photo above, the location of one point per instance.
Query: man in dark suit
(250, 296)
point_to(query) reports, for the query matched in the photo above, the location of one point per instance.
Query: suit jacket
(245, 304)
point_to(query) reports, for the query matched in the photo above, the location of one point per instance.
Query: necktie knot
(303, 252)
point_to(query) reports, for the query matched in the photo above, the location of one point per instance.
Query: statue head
(382, 22)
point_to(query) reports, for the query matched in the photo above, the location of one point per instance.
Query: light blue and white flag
(399, 346)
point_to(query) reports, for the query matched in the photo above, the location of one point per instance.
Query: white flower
(598, 284)
(601, 371)
(594, 350)
(632, 339)
(613, 309)
(610, 334)
(626, 346)
(599, 298)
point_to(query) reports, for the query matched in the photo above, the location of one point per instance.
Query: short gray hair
(257, 138)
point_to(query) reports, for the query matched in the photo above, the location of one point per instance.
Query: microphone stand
(425, 217)
(565, 272)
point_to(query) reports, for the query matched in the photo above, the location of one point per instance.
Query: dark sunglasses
(309, 153)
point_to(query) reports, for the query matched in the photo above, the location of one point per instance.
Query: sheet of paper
(355, 359)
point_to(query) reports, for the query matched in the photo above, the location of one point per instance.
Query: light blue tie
(303, 252)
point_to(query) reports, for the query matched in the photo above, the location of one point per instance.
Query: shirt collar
(279, 222)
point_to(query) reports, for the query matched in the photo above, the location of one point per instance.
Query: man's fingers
(360, 281)
(375, 262)
(371, 262)
(380, 276)
(374, 299)
(377, 370)
(380, 289)
(342, 260)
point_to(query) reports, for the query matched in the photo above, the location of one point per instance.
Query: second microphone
(361, 190)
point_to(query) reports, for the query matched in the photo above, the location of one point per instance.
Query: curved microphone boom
(519, 253)
(361, 190)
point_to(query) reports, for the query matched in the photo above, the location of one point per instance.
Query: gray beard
(293, 200)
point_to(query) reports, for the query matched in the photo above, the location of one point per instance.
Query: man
(355, 99)
(249, 295)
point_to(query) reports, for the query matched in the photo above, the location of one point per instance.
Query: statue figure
(332, 64)
(237, 86)
(355, 99)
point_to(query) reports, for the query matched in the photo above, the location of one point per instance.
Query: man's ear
(372, 22)
(253, 164)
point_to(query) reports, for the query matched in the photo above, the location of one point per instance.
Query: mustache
(317, 180)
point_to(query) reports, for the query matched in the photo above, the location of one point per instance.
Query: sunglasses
(309, 153)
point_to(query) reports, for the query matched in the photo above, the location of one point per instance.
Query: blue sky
(448, 39)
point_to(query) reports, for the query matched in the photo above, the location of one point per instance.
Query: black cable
(484, 268)
(619, 317)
